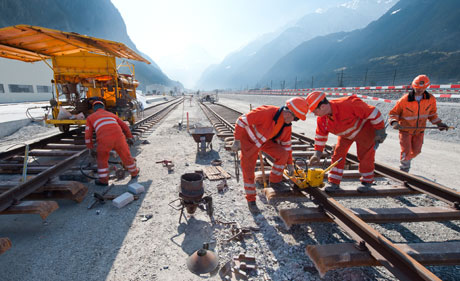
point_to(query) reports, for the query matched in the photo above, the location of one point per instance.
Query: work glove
(314, 159)
(290, 168)
(236, 146)
(395, 125)
(93, 153)
(442, 126)
(130, 141)
(380, 136)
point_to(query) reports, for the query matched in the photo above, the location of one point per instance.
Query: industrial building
(25, 82)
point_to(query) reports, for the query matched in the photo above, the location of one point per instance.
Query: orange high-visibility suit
(408, 112)
(263, 129)
(352, 120)
(109, 135)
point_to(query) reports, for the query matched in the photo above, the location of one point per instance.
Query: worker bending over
(110, 134)
(352, 120)
(409, 116)
(267, 128)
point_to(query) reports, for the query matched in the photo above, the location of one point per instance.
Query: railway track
(367, 247)
(33, 175)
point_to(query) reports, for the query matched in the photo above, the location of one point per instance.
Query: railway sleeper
(52, 153)
(65, 146)
(16, 168)
(333, 256)
(373, 215)
(70, 190)
(42, 208)
(346, 191)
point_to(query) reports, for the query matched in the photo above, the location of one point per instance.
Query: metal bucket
(191, 190)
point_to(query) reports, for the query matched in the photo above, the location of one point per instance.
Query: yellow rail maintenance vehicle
(84, 68)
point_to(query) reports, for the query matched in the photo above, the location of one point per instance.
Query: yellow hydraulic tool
(314, 177)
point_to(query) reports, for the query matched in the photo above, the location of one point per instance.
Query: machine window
(2, 90)
(43, 89)
(15, 88)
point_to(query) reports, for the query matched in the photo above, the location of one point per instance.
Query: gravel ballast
(107, 243)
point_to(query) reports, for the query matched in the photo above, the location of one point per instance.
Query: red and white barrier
(369, 88)
(304, 93)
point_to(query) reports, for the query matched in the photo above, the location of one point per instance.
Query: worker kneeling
(352, 120)
(268, 129)
(110, 134)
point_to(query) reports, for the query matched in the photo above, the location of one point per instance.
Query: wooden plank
(43, 208)
(71, 190)
(225, 134)
(5, 244)
(333, 256)
(65, 146)
(52, 153)
(215, 173)
(373, 215)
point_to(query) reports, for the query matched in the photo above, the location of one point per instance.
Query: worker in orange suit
(409, 116)
(352, 120)
(268, 129)
(110, 134)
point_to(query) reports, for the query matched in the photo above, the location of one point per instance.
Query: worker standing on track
(110, 134)
(352, 120)
(267, 128)
(409, 116)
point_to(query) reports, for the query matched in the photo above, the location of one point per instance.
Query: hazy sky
(185, 36)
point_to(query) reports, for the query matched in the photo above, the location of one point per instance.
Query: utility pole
(341, 79)
(271, 84)
(295, 83)
(365, 77)
(394, 77)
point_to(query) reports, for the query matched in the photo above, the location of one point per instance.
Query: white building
(23, 81)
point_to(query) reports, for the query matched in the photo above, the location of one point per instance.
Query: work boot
(135, 174)
(253, 207)
(276, 185)
(404, 165)
(365, 187)
(101, 183)
(333, 187)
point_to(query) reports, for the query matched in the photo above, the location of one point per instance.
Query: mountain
(97, 18)
(246, 68)
(216, 75)
(413, 37)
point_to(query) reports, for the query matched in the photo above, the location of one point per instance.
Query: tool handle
(331, 166)
(263, 168)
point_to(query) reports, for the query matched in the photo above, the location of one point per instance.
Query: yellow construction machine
(84, 69)
(314, 177)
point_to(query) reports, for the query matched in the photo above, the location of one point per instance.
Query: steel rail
(433, 189)
(173, 104)
(22, 190)
(55, 138)
(15, 194)
(388, 254)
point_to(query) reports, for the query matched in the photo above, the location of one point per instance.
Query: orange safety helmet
(314, 98)
(298, 106)
(421, 82)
